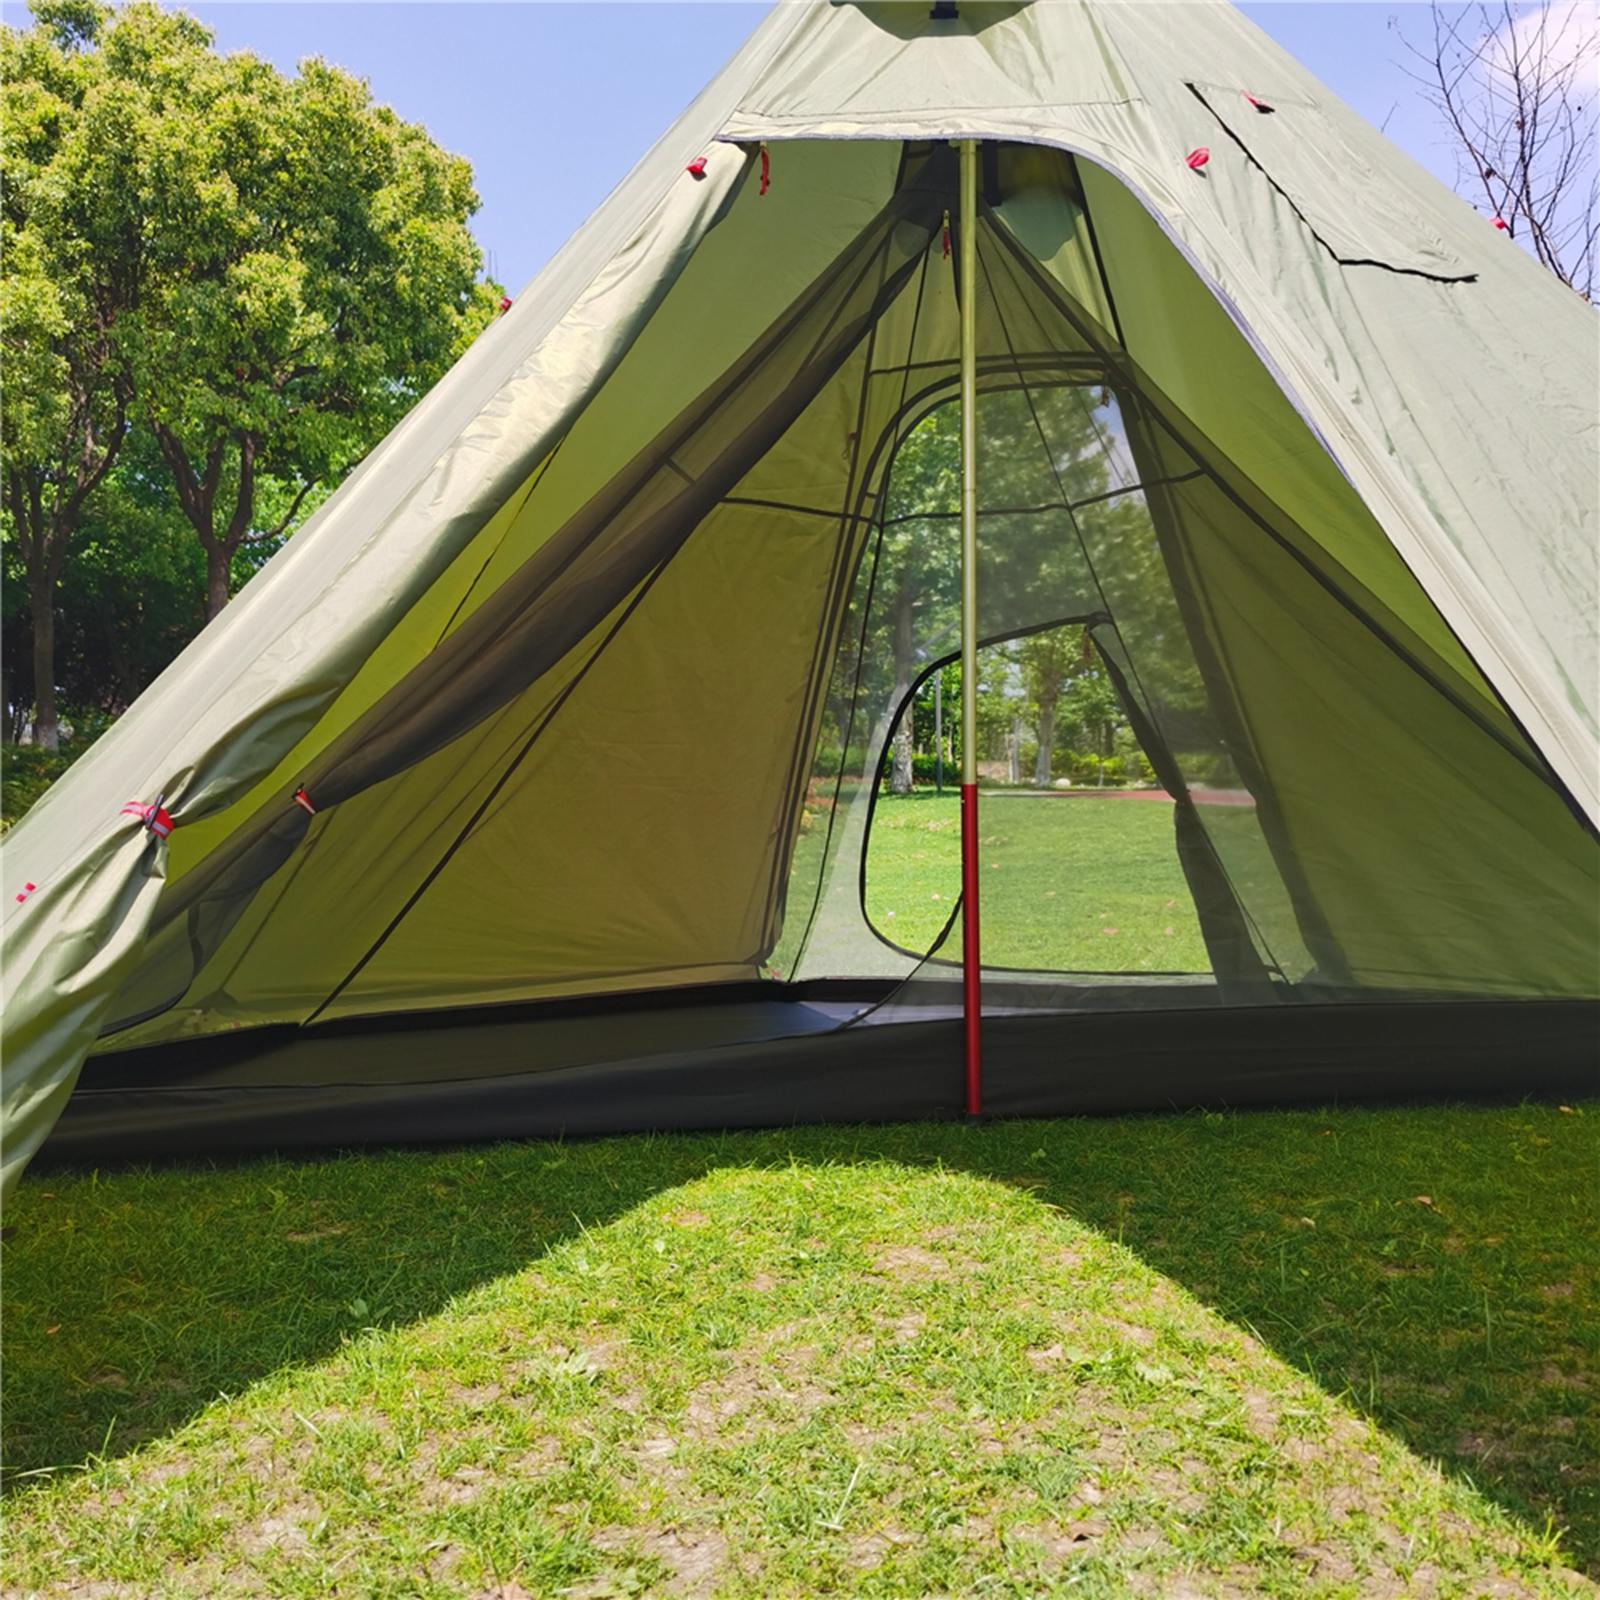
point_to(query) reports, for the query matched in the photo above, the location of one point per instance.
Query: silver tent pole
(971, 994)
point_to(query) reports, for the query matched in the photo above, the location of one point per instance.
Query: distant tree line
(219, 287)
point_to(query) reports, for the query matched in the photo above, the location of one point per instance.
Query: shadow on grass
(1437, 1266)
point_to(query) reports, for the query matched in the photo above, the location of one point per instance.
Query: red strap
(154, 817)
(1259, 105)
(303, 800)
(766, 170)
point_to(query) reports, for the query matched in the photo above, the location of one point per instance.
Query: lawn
(1085, 882)
(1277, 1353)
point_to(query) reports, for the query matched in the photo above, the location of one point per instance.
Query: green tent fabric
(550, 673)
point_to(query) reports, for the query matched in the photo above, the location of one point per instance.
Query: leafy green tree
(72, 275)
(258, 274)
(918, 567)
(1089, 711)
(1049, 662)
(316, 274)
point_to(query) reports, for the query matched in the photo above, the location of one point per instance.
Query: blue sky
(553, 102)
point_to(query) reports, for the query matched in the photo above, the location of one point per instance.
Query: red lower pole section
(971, 987)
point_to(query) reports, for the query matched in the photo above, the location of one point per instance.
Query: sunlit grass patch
(840, 1360)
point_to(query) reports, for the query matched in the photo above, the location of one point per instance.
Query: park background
(526, 116)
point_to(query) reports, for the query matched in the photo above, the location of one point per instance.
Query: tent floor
(736, 1057)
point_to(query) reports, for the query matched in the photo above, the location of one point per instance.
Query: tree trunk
(1047, 744)
(901, 774)
(197, 498)
(900, 779)
(42, 602)
(219, 568)
(1014, 754)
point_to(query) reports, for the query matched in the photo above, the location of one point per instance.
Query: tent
(529, 788)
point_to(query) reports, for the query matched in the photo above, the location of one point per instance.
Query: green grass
(1071, 883)
(1207, 1354)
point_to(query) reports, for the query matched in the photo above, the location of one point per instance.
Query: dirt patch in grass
(909, 1261)
(694, 1558)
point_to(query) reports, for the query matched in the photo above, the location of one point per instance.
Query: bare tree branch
(1515, 86)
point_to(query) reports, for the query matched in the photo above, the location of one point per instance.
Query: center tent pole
(971, 995)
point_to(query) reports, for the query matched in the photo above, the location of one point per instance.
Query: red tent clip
(1502, 224)
(27, 889)
(505, 303)
(1197, 158)
(766, 169)
(303, 800)
(697, 167)
(1259, 105)
(154, 817)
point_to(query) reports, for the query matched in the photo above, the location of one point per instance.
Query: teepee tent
(531, 788)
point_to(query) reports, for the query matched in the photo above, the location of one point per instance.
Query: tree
(1090, 710)
(1049, 661)
(918, 569)
(131, 591)
(304, 266)
(72, 274)
(1515, 86)
(324, 278)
